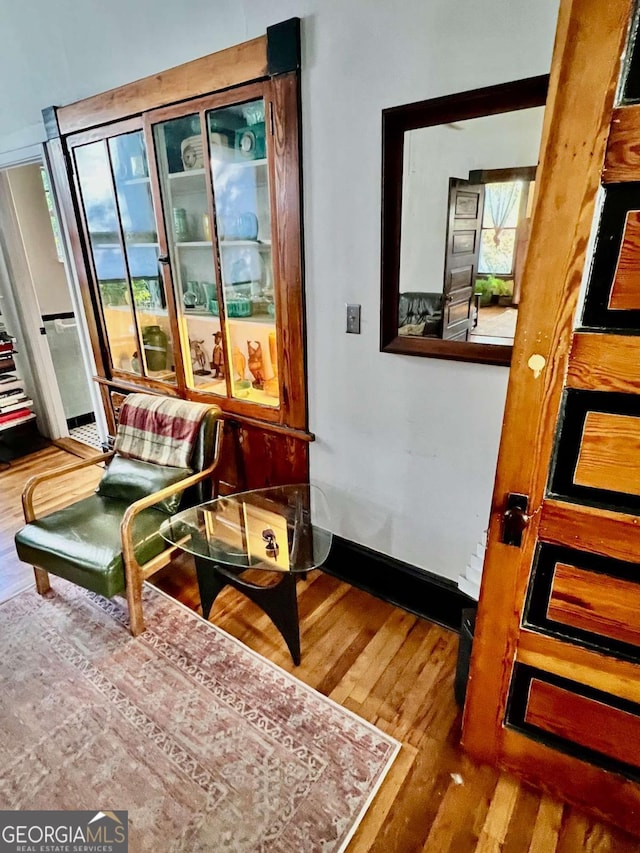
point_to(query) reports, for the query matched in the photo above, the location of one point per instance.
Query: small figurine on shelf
(217, 359)
(198, 356)
(256, 363)
(239, 363)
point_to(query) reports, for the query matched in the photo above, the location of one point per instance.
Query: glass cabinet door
(240, 176)
(183, 184)
(232, 347)
(116, 195)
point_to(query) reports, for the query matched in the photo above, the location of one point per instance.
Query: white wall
(406, 447)
(46, 270)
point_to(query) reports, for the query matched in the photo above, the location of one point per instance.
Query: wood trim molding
(610, 303)
(415, 590)
(495, 176)
(71, 216)
(283, 47)
(569, 716)
(279, 429)
(596, 459)
(452, 350)
(221, 70)
(602, 361)
(598, 531)
(622, 161)
(586, 665)
(584, 599)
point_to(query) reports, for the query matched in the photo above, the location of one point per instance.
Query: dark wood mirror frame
(491, 100)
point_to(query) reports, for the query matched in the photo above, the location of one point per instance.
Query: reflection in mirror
(466, 204)
(458, 194)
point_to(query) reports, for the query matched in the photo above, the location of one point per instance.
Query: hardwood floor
(391, 668)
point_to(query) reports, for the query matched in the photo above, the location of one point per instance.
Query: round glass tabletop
(280, 529)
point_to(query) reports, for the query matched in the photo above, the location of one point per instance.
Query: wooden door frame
(576, 127)
(23, 308)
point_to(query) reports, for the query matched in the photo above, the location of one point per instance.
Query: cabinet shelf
(141, 309)
(190, 173)
(207, 383)
(127, 245)
(262, 245)
(187, 183)
(242, 164)
(129, 182)
(260, 320)
(194, 244)
(265, 320)
(199, 312)
(218, 386)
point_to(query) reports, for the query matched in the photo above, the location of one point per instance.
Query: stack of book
(6, 353)
(15, 405)
(19, 432)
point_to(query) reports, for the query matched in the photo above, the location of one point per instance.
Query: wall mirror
(458, 178)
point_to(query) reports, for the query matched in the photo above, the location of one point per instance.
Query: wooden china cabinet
(182, 198)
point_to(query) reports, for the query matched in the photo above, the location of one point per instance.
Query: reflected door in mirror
(466, 205)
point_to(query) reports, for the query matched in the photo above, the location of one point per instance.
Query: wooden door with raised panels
(466, 203)
(554, 692)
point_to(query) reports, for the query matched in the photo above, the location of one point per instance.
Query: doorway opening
(487, 238)
(43, 314)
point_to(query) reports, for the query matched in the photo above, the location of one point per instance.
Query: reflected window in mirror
(458, 186)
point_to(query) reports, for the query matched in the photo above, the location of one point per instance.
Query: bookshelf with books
(18, 429)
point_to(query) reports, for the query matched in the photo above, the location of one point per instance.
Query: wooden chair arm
(34, 482)
(128, 554)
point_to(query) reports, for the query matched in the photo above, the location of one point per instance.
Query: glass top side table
(268, 530)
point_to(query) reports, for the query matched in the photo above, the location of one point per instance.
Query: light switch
(353, 319)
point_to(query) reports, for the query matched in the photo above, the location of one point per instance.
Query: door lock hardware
(515, 519)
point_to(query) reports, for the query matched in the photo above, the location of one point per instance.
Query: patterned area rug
(207, 745)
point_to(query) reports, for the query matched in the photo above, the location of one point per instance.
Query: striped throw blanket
(162, 430)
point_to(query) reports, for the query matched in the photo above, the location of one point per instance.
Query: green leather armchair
(109, 542)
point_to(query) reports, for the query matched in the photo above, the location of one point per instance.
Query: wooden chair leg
(134, 600)
(42, 580)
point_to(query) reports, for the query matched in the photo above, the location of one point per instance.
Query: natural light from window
(502, 203)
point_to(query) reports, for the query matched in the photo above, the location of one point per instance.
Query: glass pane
(502, 204)
(133, 189)
(94, 175)
(55, 225)
(63, 341)
(241, 192)
(183, 186)
(496, 251)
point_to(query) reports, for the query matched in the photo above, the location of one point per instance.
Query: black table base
(279, 601)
